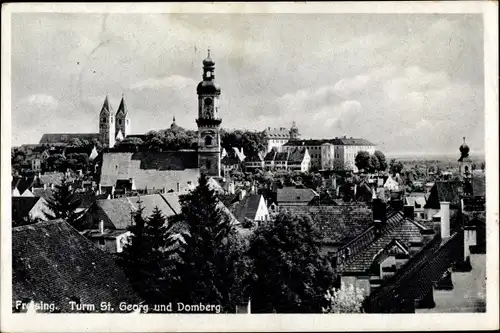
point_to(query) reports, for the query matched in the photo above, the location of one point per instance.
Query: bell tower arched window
(208, 141)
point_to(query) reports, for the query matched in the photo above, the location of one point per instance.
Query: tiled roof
(406, 232)
(170, 160)
(119, 211)
(416, 277)
(337, 224)
(44, 193)
(337, 142)
(293, 194)
(254, 158)
(149, 202)
(297, 155)
(277, 133)
(449, 191)
(270, 156)
(86, 199)
(310, 142)
(246, 208)
(107, 234)
(53, 263)
(66, 137)
(173, 201)
(22, 184)
(21, 206)
(149, 170)
(351, 142)
(282, 157)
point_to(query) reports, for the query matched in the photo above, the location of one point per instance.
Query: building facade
(277, 137)
(328, 153)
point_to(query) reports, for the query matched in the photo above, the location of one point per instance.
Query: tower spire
(208, 52)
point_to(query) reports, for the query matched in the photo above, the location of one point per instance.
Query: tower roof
(106, 106)
(173, 125)
(122, 108)
(464, 149)
(208, 62)
(208, 86)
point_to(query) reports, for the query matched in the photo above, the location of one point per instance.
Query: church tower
(122, 127)
(464, 162)
(208, 121)
(107, 125)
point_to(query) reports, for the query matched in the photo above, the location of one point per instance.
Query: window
(209, 74)
(208, 141)
(103, 119)
(208, 165)
(111, 119)
(119, 121)
(102, 241)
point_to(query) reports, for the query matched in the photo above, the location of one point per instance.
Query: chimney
(242, 194)
(101, 227)
(379, 210)
(409, 211)
(178, 187)
(445, 219)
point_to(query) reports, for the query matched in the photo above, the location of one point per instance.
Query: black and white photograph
(215, 158)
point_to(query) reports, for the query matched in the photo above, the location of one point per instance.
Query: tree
(362, 160)
(381, 160)
(64, 204)
(56, 162)
(148, 259)
(338, 165)
(76, 142)
(344, 300)
(77, 161)
(396, 167)
(213, 265)
(373, 164)
(289, 273)
(250, 142)
(130, 144)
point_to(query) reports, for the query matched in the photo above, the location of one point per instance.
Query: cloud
(345, 87)
(41, 100)
(374, 76)
(175, 82)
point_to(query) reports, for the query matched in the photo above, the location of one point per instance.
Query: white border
(123, 323)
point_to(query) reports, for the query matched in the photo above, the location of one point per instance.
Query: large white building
(277, 137)
(327, 153)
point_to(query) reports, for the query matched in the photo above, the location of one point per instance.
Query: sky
(410, 83)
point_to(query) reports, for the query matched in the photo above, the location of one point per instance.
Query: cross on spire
(208, 52)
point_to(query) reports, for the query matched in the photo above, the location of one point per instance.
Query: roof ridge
(27, 226)
(168, 203)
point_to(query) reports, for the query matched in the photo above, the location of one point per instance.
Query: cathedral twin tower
(117, 127)
(113, 127)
